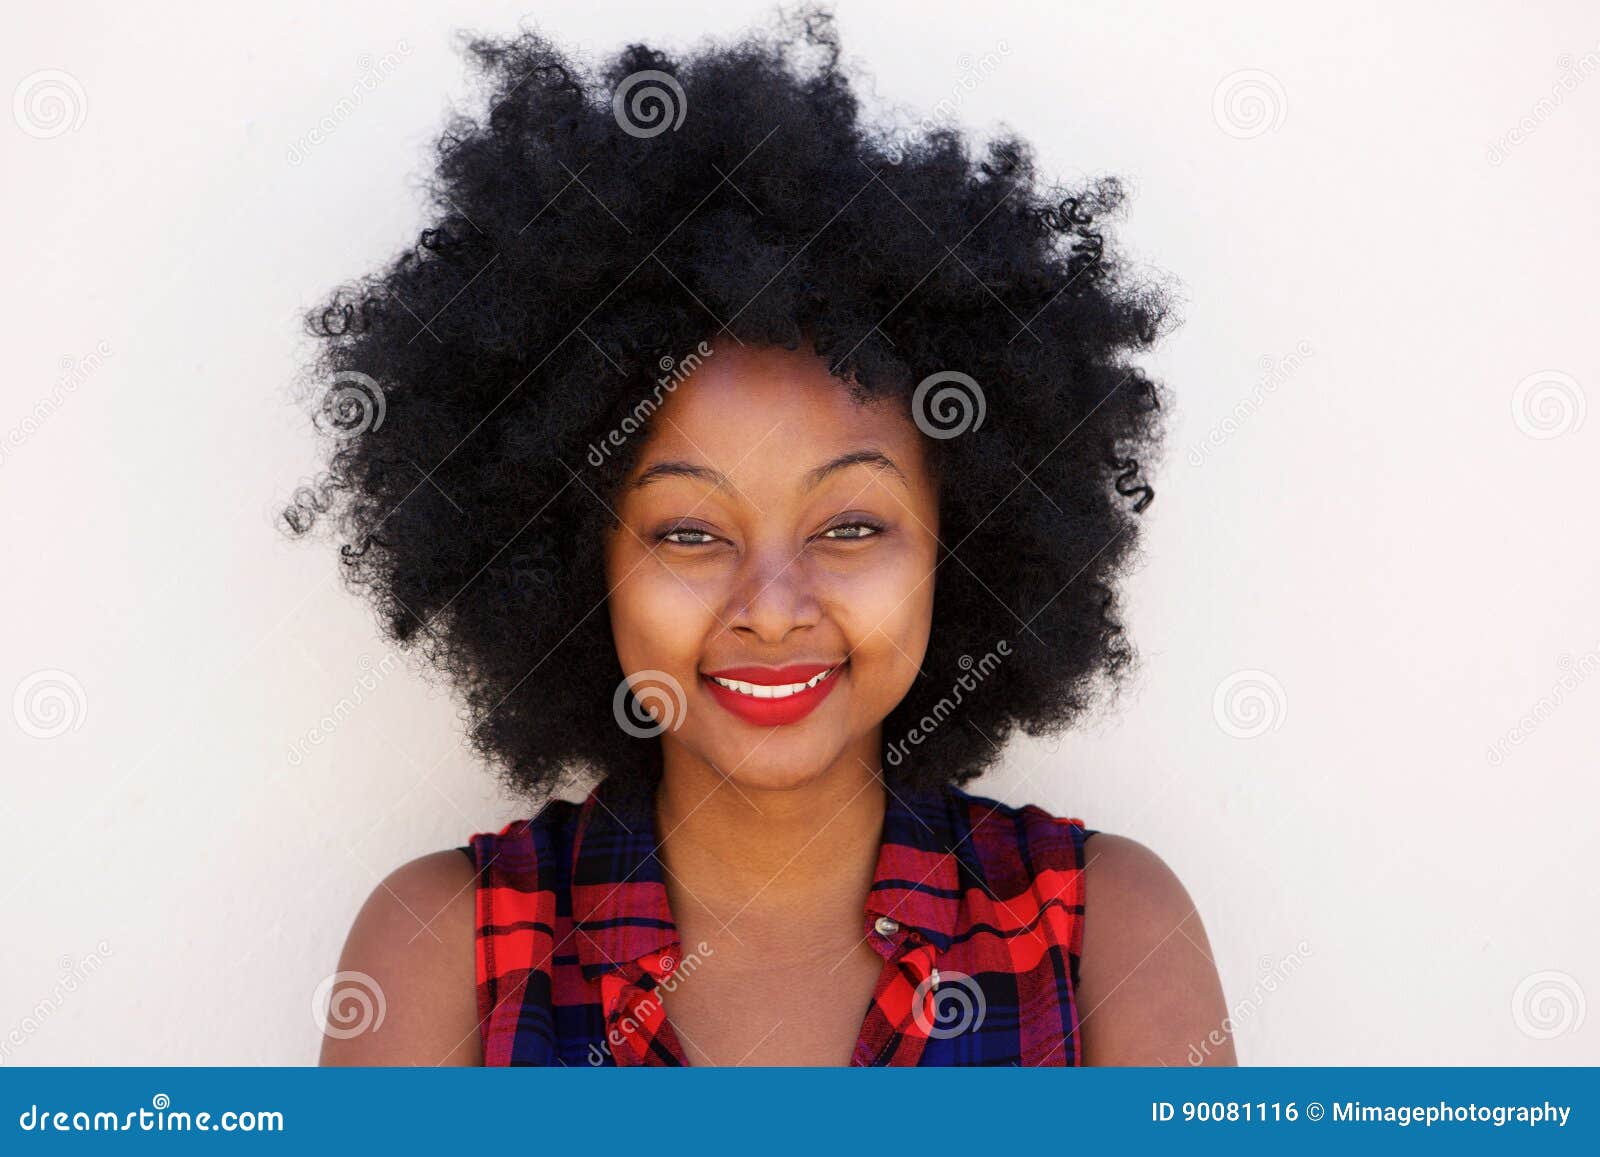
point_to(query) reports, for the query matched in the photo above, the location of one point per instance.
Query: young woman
(771, 470)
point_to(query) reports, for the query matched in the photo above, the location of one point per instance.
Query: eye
(688, 536)
(852, 531)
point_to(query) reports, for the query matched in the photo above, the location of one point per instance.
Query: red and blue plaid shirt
(976, 908)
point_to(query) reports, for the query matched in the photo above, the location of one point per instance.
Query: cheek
(886, 612)
(656, 621)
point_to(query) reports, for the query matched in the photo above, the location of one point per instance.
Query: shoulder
(1149, 992)
(405, 991)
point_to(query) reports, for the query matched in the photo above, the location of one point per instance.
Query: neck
(754, 859)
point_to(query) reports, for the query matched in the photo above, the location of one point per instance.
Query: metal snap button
(886, 926)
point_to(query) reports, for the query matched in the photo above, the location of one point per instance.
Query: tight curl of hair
(593, 226)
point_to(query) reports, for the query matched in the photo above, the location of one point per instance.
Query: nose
(772, 595)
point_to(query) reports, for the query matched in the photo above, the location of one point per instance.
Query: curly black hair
(588, 228)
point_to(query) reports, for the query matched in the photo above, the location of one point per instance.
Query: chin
(778, 764)
(774, 778)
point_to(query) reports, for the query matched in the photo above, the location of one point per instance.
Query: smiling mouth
(772, 690)
(773, 696)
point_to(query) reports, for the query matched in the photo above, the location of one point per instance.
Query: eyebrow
(866, 456)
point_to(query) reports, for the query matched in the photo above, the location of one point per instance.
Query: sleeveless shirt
(976, 908)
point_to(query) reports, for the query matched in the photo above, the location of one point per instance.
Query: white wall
(1382, 536)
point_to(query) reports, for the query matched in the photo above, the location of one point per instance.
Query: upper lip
(773, 676)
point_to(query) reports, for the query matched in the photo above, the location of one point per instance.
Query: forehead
(757, 409)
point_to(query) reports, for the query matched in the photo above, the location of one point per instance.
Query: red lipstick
(773, 696)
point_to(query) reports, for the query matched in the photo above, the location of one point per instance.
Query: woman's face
(779, 537)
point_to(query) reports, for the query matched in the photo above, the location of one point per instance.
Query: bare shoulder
(410, 955)
(1148, 990)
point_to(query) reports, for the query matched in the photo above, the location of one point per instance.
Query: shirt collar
(619, 897)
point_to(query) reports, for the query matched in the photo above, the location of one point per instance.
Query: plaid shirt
(976, 908)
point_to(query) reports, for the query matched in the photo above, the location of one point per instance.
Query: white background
(1382, 537)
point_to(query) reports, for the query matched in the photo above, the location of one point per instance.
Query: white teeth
(780, 691)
